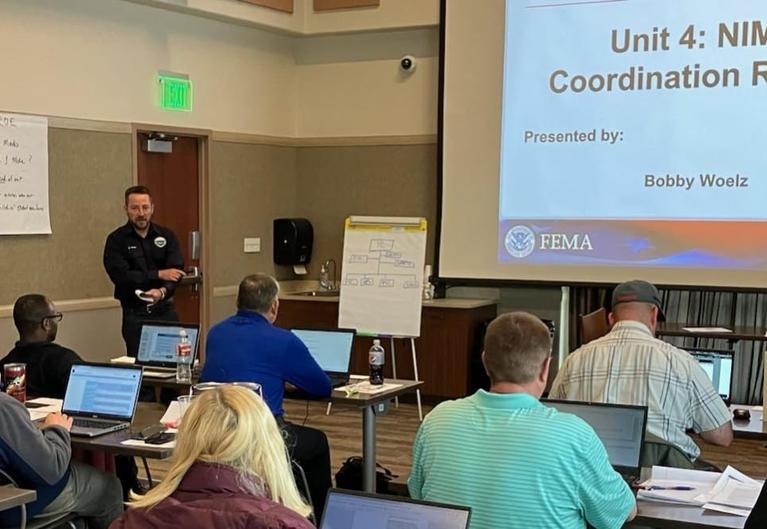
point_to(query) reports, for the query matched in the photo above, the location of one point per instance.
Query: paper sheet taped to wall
(24, 207)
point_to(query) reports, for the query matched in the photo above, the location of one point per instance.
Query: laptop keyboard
(89, 423)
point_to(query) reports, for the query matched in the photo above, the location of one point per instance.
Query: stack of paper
(42, 406)
(730, 491)
(734, 493)
(677, 485)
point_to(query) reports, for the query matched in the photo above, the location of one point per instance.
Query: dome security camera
(407, 64)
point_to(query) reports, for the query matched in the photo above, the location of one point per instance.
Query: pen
(680, 487)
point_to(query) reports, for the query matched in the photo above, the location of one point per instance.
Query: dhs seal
(519, 241)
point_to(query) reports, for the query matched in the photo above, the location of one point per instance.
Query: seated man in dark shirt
(48, 363)
(247, 347)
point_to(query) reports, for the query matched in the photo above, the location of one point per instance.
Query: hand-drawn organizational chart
(382, 275)
(382, 266)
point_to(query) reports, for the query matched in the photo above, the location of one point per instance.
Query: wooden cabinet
(448, 346)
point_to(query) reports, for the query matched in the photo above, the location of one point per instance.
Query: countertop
(443, 303)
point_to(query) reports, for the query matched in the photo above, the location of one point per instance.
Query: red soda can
(15, 376)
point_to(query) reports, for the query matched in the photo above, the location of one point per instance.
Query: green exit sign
(175, 93)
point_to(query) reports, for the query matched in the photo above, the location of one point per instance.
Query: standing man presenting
(143, 256)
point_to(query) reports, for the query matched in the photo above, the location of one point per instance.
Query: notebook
(101, 398)
(157, 346)
(359, 510)
(621, 428)
(331, 349)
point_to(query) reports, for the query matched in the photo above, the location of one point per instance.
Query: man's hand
(58, 419)
(170, 274)
(155, 294)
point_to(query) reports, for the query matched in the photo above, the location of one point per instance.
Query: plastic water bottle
(183, 358)
(376, 359)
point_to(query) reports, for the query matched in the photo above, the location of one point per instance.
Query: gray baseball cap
(639, 291)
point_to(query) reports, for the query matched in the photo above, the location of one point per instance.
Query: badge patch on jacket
(160, 242)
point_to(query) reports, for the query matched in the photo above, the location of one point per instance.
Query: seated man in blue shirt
(514, 461)
(247, 347)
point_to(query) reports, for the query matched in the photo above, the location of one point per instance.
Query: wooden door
(174, 179)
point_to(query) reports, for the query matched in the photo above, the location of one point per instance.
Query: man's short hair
(257, 292)
(29, 311)
(137, 190)
(516, 345)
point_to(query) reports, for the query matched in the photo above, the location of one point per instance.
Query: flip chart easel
(382, 278)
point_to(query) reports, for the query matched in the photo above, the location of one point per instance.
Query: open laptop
(331, 349)
(620, 427)
(346, 509)
(157, 346)
(101, 398)
(718, 366)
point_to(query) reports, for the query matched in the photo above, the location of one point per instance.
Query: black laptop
(331, 349)
(101, 398)
(345, 509)
(157, 346)
(620, 427)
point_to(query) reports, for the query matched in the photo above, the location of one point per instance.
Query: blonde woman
(230, 469)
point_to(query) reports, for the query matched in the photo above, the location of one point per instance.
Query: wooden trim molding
(329, 5)
(332, 141)
(278, 5)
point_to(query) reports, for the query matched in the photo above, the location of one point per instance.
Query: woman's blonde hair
(232, 426)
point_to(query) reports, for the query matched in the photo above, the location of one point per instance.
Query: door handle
(194, 245)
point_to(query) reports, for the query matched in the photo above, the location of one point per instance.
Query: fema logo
(519, 241)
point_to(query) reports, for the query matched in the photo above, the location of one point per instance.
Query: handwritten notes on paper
(24, 207)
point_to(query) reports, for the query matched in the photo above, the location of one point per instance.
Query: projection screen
(599, 141)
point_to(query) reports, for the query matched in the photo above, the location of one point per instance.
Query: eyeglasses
(57, 317)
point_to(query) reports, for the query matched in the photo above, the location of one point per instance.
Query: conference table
(369, 404)
(755, 428)
(11, 497)
(735, 334)
(667, 516)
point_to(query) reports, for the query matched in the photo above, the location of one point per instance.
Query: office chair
(66, 520)
(593, 325)
(298, 471)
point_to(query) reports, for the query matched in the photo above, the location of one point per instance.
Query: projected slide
(632, 134)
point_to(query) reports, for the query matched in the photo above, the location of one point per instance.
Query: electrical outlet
(252, 245)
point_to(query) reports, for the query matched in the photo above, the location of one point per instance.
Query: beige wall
(351, 85)
(335, 182)
(390, 14)
(251, 185)
(98, 59)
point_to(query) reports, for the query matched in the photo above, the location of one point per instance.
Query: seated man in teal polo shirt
(514, 461)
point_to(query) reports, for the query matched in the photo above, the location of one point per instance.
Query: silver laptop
(717, 364)
(101, 398)
(346, 509)
(157, 346)
(620, 427)
(331, 349)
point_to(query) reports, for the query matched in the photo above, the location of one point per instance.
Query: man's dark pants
(133, 318)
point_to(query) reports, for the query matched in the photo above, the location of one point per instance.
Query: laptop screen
(332, 350)
(158, 342)
(356, 510)
(621, 428)
(718, 367)
(103, 391)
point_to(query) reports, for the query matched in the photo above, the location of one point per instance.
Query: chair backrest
(593, 325)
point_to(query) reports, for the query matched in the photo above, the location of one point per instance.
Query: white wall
(98, 59)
